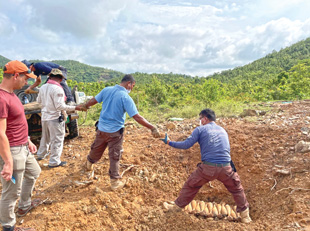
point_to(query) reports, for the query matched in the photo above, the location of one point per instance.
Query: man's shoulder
(6, 97)
(52, 88)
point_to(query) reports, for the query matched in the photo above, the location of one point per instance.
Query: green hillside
(79, 72)
(283, 75)
(269, 66)
(3, 61)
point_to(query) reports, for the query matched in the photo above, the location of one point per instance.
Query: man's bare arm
(5, 153)
(29, 90)
(91, 102)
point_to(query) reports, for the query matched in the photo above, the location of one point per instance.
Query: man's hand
(7, 170)
(30, 91)
(155, 132)
(81, 107)
(166, 139)
(32, 147)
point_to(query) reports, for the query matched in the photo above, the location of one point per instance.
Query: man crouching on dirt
(52, 97)
(115, 103)
(215, 157)
(19, 169)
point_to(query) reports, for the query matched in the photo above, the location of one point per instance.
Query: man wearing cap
(44, 68)
(16, 158)
(52, 98)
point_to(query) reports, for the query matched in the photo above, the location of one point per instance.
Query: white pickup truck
(80, 97)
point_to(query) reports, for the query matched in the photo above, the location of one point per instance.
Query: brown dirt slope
(260, 146)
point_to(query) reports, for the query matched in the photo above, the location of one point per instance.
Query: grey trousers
(25, 171)
(53, 135)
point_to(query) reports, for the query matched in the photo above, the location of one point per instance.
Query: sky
(192, 37)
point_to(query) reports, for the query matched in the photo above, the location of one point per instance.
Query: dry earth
(275, 178)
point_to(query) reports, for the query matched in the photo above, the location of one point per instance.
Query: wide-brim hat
(56, 71)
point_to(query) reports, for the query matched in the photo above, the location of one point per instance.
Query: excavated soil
(275, 177)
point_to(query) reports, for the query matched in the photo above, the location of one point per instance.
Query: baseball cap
(16, 66)
(56, 71)
(27, 63)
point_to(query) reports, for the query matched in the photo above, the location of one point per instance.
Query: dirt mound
(275, 178)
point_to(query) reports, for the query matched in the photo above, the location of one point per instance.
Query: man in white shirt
(52, 98)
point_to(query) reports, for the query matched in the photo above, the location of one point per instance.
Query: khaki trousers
(53, 135)
(25, 171)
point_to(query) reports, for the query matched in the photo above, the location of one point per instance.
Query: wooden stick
(127, 169)
(275, 183)
(293, 190)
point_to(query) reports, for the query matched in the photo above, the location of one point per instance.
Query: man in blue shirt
(215, 157)
(44, 68)
(115, 103)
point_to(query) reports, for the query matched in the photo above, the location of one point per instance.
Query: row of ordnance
(213, 210)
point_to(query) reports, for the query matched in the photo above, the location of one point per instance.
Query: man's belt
(21, 145)
(216, 165)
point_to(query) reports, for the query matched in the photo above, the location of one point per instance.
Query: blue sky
(197, 37)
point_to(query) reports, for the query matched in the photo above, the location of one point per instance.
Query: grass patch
(164, 112)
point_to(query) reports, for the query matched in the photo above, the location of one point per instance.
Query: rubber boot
(245, 216)
(89, 166)
(117, 184)
(172, 207)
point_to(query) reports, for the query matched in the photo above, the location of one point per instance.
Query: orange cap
(16, 66)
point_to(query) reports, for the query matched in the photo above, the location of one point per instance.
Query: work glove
(155, 132)
(165, 140)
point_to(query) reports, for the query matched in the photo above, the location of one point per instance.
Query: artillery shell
(189, 208)
(194, 204)
(202, 205)
(215, 212)
(228, 210)
(233, 215)
(197, 209)
(219, 209)
(205, 211)
(210, 206)
(224, 211)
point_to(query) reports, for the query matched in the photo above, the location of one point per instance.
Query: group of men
(19, 169)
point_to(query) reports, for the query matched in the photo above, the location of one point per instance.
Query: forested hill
(79, 72)
(269, 66)
(260, 70)
(3, 61)
(170, 78)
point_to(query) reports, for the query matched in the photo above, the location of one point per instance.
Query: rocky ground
(274, 173)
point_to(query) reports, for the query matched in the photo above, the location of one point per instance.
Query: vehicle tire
(21, 94)
(73, 129)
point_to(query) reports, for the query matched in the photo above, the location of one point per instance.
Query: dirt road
(275, 177)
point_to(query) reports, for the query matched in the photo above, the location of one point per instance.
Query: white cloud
(187, 37)
(7, 28)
